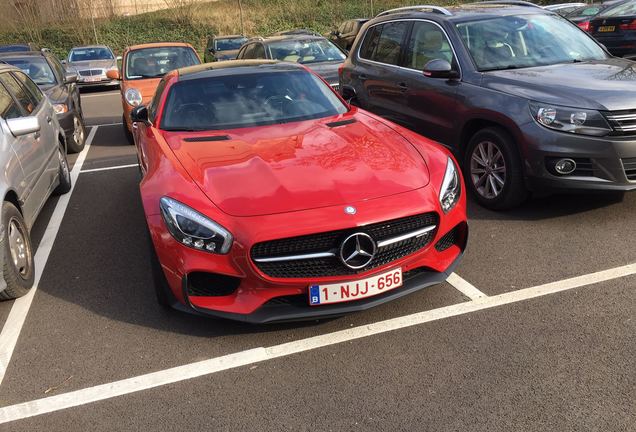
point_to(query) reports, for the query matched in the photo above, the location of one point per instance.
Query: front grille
(630, 168)
(623, 122)
(91, 72)
(331, 241)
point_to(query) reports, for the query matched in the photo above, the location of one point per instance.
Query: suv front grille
(271, 256)
(623, 122)
(630, 168)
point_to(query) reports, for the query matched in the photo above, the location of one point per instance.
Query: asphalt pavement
(529, 336)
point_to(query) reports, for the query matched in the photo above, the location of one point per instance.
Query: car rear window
(156, 62)
(254, 99)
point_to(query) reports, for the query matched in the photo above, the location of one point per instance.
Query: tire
(163, 293)
(77, 140)
(127, 132)
(493, 170)
(65, 174)
(17, 268)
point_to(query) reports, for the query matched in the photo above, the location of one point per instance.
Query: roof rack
(434, 9)
(508, 2)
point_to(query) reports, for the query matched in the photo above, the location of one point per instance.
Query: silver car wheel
(78, 131)
(20, 251)
(488, 169)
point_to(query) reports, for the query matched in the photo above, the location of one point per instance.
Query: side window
(249, 51)
(57, 68)
(259, 51)
(24, 97)
(9, 109)
(154, 103)
(427, 42)
(390, 42)
(370, 42)
(31, 86)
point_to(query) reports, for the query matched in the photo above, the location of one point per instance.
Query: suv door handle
(403, 86)
(362, 77)
(49, 119)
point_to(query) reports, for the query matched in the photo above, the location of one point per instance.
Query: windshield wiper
(509, 67)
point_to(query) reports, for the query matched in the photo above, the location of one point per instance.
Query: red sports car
(269, 198)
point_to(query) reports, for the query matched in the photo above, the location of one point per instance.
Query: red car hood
(300, 166)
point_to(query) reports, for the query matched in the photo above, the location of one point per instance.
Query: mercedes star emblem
(357, 250)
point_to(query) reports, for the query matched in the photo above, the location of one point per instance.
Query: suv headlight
(194, 230)
(133, 97)
(451, 188)
(572, 120)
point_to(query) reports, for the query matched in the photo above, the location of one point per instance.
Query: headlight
(451, 188)
(133, 97)
(60, 108)
(193, 229)
(572, 120)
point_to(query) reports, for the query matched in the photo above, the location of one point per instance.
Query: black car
(61, 89)
(525, 99)
(616, 29)
(221, 48)
(583, 15)
(315, 52)
(347, 32)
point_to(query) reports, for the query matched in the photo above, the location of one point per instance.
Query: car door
(38, 155)
(376, 73)
(429, 103)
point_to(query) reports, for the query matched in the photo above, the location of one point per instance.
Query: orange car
(142, 68)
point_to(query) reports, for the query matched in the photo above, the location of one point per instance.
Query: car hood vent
(341, 123)
(207, 138)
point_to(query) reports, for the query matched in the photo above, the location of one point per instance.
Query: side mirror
(70, 78)
(23, 125)
(439, 68)
(139, 114)
(119, 58)
(211, 50)
(63, 62)
(348, 93)
(113, 74)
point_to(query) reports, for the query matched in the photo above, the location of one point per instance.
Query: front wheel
(493, 170)
(127, 132)
(78, 138)
(64, 173)
(18, 267)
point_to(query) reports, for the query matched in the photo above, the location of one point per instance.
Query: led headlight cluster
(572, 120)
(451, 188)
(193, 229)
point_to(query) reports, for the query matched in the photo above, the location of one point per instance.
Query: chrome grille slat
(622, 122)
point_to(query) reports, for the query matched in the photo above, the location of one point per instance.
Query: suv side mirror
(348, 93)
(439, 68)
(23, 125)
(70, 78)
(139, 114)
(113, 74)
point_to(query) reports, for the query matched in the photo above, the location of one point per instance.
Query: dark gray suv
(526, 100)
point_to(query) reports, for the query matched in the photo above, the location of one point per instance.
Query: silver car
(91, 63)
(33, 158)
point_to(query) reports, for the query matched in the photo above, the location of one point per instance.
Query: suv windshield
(229, 44)
(90, 54)
(156, 62)
(513, 42)
(37, 69)
(305, 51)
(264, 98)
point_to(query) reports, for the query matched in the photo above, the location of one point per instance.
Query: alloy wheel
(78, 131)
(20, 251)
(488, 169)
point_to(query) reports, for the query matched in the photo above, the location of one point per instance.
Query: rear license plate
(605, 29)
(356, 290)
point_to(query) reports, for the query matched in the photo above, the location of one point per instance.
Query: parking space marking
(92, 95)
(108, 168)
(465, 287)
(106, 124)
(15, 321)
(256, 355)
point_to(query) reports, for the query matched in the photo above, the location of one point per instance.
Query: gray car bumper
(601, 161)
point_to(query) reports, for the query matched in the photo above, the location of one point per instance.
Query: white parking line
(465, 287)
(256, 355)
(20, 309)
(108, 168)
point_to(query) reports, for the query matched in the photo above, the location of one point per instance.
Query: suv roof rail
(434, 9)
(507, 2)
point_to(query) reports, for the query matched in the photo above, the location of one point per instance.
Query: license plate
(356, 290)
(606, 29)
(93, 79)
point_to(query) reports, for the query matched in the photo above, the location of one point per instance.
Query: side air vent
(341, 123)
(208, 138)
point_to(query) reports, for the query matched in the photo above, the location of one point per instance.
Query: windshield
(156, 62)
(37, 69)
(229, 44)
(624, 9)
(513, 42)
(305, 51)
(90, 54)
(237, 101)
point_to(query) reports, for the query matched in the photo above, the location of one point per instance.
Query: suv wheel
(78, 138)
(493, 170)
